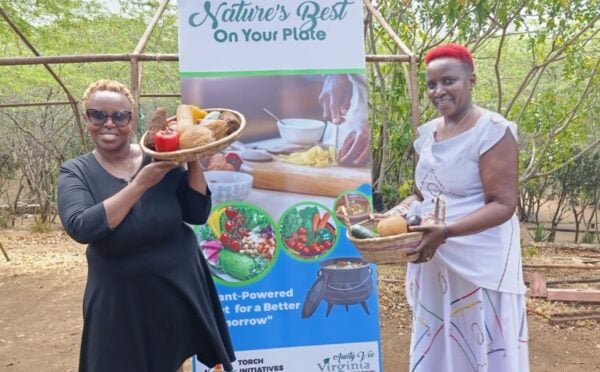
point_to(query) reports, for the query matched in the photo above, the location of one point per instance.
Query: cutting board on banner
(323, 181)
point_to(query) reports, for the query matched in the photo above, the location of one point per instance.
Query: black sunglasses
(99, 117)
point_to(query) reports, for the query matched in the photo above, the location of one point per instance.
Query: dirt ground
(41, 291)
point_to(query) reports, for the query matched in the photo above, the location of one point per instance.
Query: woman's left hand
(433, 236)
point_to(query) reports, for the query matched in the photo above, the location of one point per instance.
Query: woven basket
(196, 153)
(393, 248)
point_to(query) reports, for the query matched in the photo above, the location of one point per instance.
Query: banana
(214, 222)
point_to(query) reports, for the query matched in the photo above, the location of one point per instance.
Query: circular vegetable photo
(308, 231)
(238, 242)
(357, 207)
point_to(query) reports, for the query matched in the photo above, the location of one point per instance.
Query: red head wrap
(449, 51)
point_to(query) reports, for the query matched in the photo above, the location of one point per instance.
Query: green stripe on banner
(191, 74)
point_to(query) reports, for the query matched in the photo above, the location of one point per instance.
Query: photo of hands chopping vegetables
(306, 135)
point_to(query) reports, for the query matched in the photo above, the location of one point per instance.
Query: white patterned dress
(468, 302)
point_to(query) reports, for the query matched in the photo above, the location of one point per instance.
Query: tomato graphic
(235, 245)
(230, 225)
(231, 212)
(225, 238)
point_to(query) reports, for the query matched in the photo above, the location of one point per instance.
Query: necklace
(459, 123)
(126, 175)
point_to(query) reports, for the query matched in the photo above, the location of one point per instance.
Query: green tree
(537, 63)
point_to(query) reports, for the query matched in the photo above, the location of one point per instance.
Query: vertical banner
(297, 295)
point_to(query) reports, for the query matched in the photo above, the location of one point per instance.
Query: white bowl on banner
(228, 185)
(305, 132)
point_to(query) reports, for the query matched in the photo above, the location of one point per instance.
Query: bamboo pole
(58, 103)
(103, 58)
(54, 75)
(90, 58)
(413, 75)
(141, 45)
(143, 95)
(387, 58)
(387, 28)
(136, 68)
(561, 266)
(414, 94)
(136, 94)
(52, 103)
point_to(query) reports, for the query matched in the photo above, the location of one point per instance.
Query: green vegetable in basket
(361, 232)
(239, 266)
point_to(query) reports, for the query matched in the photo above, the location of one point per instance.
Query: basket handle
(346, 218)
(367, 278)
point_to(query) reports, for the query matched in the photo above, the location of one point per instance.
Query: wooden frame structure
(138, 55)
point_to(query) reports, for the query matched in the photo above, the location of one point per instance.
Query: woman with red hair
(466, 286)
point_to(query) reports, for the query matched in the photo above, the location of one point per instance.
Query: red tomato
(235, 245)
(302, 231)
(231, 212)
(225, 238)
(327, 244)
(230, 225)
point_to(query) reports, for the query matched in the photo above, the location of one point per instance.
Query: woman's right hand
(152, 173)
(434, 235)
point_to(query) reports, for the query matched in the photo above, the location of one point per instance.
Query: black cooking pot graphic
(341, 281)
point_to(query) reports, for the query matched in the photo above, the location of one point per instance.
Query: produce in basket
(362, 232)
(166, 140)
(194, 136)
(194, 127)
(392, 225)
(388, 226)
(370, 241)
(217, 127)
(158, 122)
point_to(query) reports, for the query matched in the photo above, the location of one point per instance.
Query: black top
(150, 301)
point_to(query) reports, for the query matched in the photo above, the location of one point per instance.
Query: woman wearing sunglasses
(150, 302)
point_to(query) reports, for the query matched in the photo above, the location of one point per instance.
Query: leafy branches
(536, 61)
